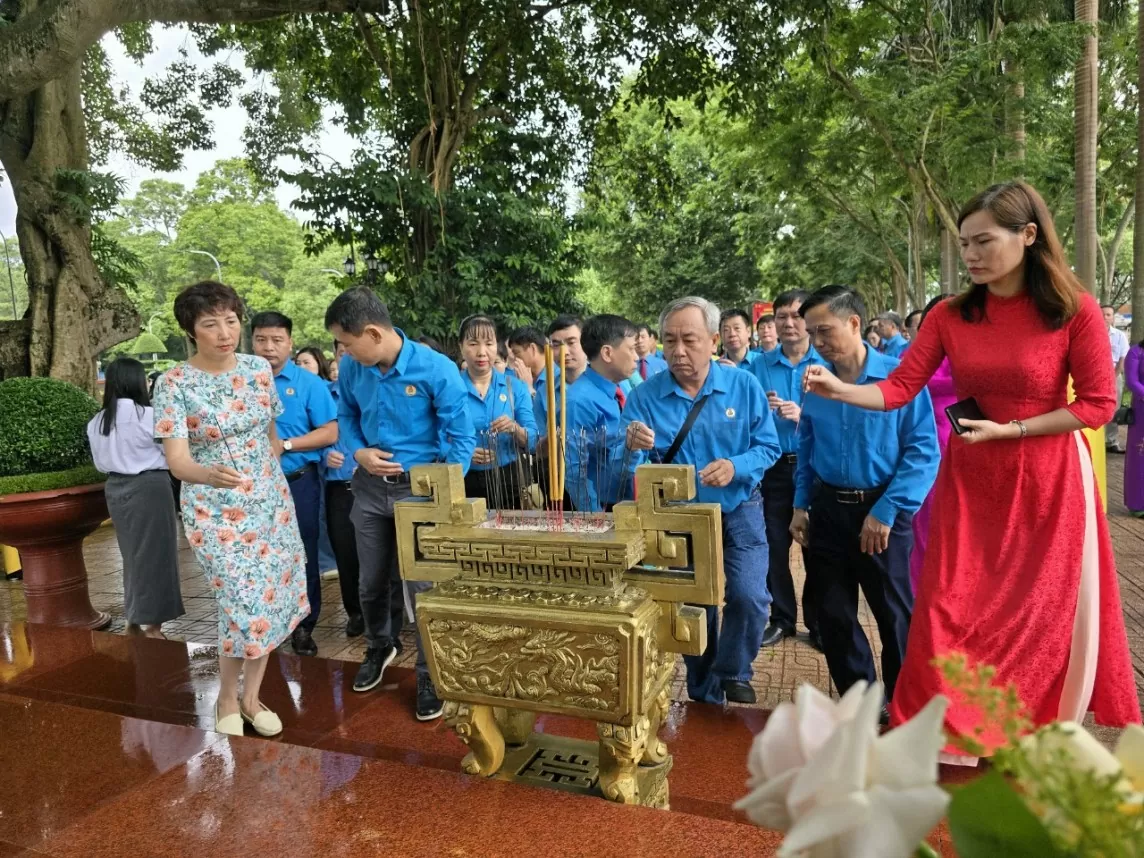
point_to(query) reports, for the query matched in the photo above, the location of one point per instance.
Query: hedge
(82, 476)
(43, 424)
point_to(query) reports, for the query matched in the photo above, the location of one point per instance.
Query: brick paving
(778, 671)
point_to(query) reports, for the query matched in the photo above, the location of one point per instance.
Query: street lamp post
(213, 258)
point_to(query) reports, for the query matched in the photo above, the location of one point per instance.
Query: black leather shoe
(373, 668)
(738, 692)
(303, 642)
(355, 626)
(774, 635)
(429, 705)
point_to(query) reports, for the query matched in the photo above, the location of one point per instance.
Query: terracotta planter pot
(48, 529)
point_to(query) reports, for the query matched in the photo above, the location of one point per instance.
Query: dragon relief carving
(517, 663)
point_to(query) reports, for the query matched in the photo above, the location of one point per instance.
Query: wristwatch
(287, 445)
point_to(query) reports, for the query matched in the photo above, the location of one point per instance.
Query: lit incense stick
(550, 396)
(563, 423)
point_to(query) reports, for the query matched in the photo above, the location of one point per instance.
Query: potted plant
(51, 495)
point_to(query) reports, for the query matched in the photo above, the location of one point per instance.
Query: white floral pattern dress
(246, 539)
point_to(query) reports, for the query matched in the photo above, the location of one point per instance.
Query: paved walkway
(778, 671)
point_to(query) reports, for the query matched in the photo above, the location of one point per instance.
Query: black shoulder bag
(685, 429)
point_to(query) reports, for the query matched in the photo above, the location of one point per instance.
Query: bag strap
(685, 429)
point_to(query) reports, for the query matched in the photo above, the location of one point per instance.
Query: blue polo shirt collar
(716, 382)
(289, 370)
(403, 357)
(608, 387)
(497, 382)
(775, 356)
(878, 366)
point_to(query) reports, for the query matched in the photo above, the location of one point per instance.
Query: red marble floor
(108, 751)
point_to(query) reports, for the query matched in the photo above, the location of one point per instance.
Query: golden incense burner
(579, 616)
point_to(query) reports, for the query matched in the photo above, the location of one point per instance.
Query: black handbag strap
(685, 429)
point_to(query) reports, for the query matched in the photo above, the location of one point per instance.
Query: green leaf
(988, 819)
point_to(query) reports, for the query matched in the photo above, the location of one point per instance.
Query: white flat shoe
(231, 725)
(265, 723)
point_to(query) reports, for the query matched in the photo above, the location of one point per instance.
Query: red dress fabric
(1002, 569)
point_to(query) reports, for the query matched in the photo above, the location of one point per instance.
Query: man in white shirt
(1119, 342)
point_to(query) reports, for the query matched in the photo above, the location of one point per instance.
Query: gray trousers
(380, 586)
(146, 529)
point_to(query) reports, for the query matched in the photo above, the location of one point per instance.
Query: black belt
(789, 458)
(345, 484)
(140, 473)
(301, 472)
(401, 479)
(854, 497)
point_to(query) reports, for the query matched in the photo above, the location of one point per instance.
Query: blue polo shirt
(407, 409)
(852, 448)
(895, 346)
(506, 395)
(654, 363)
(306, 406)
(594, 446)
(735, 424)
(748, 360)
(346, 471)
(776, 373)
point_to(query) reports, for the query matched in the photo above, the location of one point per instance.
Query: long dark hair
(319, 359)
(1050, 282)
(933, 302)
(125, 378)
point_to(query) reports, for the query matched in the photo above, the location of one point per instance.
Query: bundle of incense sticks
(556, 441)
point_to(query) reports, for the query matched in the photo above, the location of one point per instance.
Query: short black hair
(206, 296)
(766, 317)
(891, 317)
(427, 340)
(841, 301)
(735, 312)
(790, 297)
(271, 319)
(528, 336)
(560, 323)
(913, 313)
(642, 328)
(355, 308)
(604, 330)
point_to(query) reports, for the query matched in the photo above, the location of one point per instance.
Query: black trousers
(842, 568)
(339, 504)
(778, 508)
(500, 487)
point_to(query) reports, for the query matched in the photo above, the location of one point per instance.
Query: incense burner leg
(478, 729)
(621, 749)
(515, 724)
(656, 751)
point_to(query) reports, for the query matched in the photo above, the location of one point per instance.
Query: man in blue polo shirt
(735, 332)
(731, 444)
(593, 449)
(649, 361)
(307, 425)
(861, 476)
(889, 325)
(401, 404)
(780, 372)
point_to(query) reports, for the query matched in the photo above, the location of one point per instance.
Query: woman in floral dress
(215, 414)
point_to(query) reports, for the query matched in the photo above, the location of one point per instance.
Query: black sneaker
(738, 692)
(428, 703)
(303, 642)
(355, 626)
(371, 670)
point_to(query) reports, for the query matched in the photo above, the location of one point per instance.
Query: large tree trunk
(1085, 128)
(918, 235)
(950, 254)
(73, 315)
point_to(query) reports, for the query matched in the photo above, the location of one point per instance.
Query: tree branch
(54, 36)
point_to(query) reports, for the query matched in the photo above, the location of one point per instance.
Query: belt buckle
(850, 497)
(391, 481)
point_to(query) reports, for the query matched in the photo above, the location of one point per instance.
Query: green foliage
(84, 475)
(146, 343)
(43, 422)
(987, 818)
